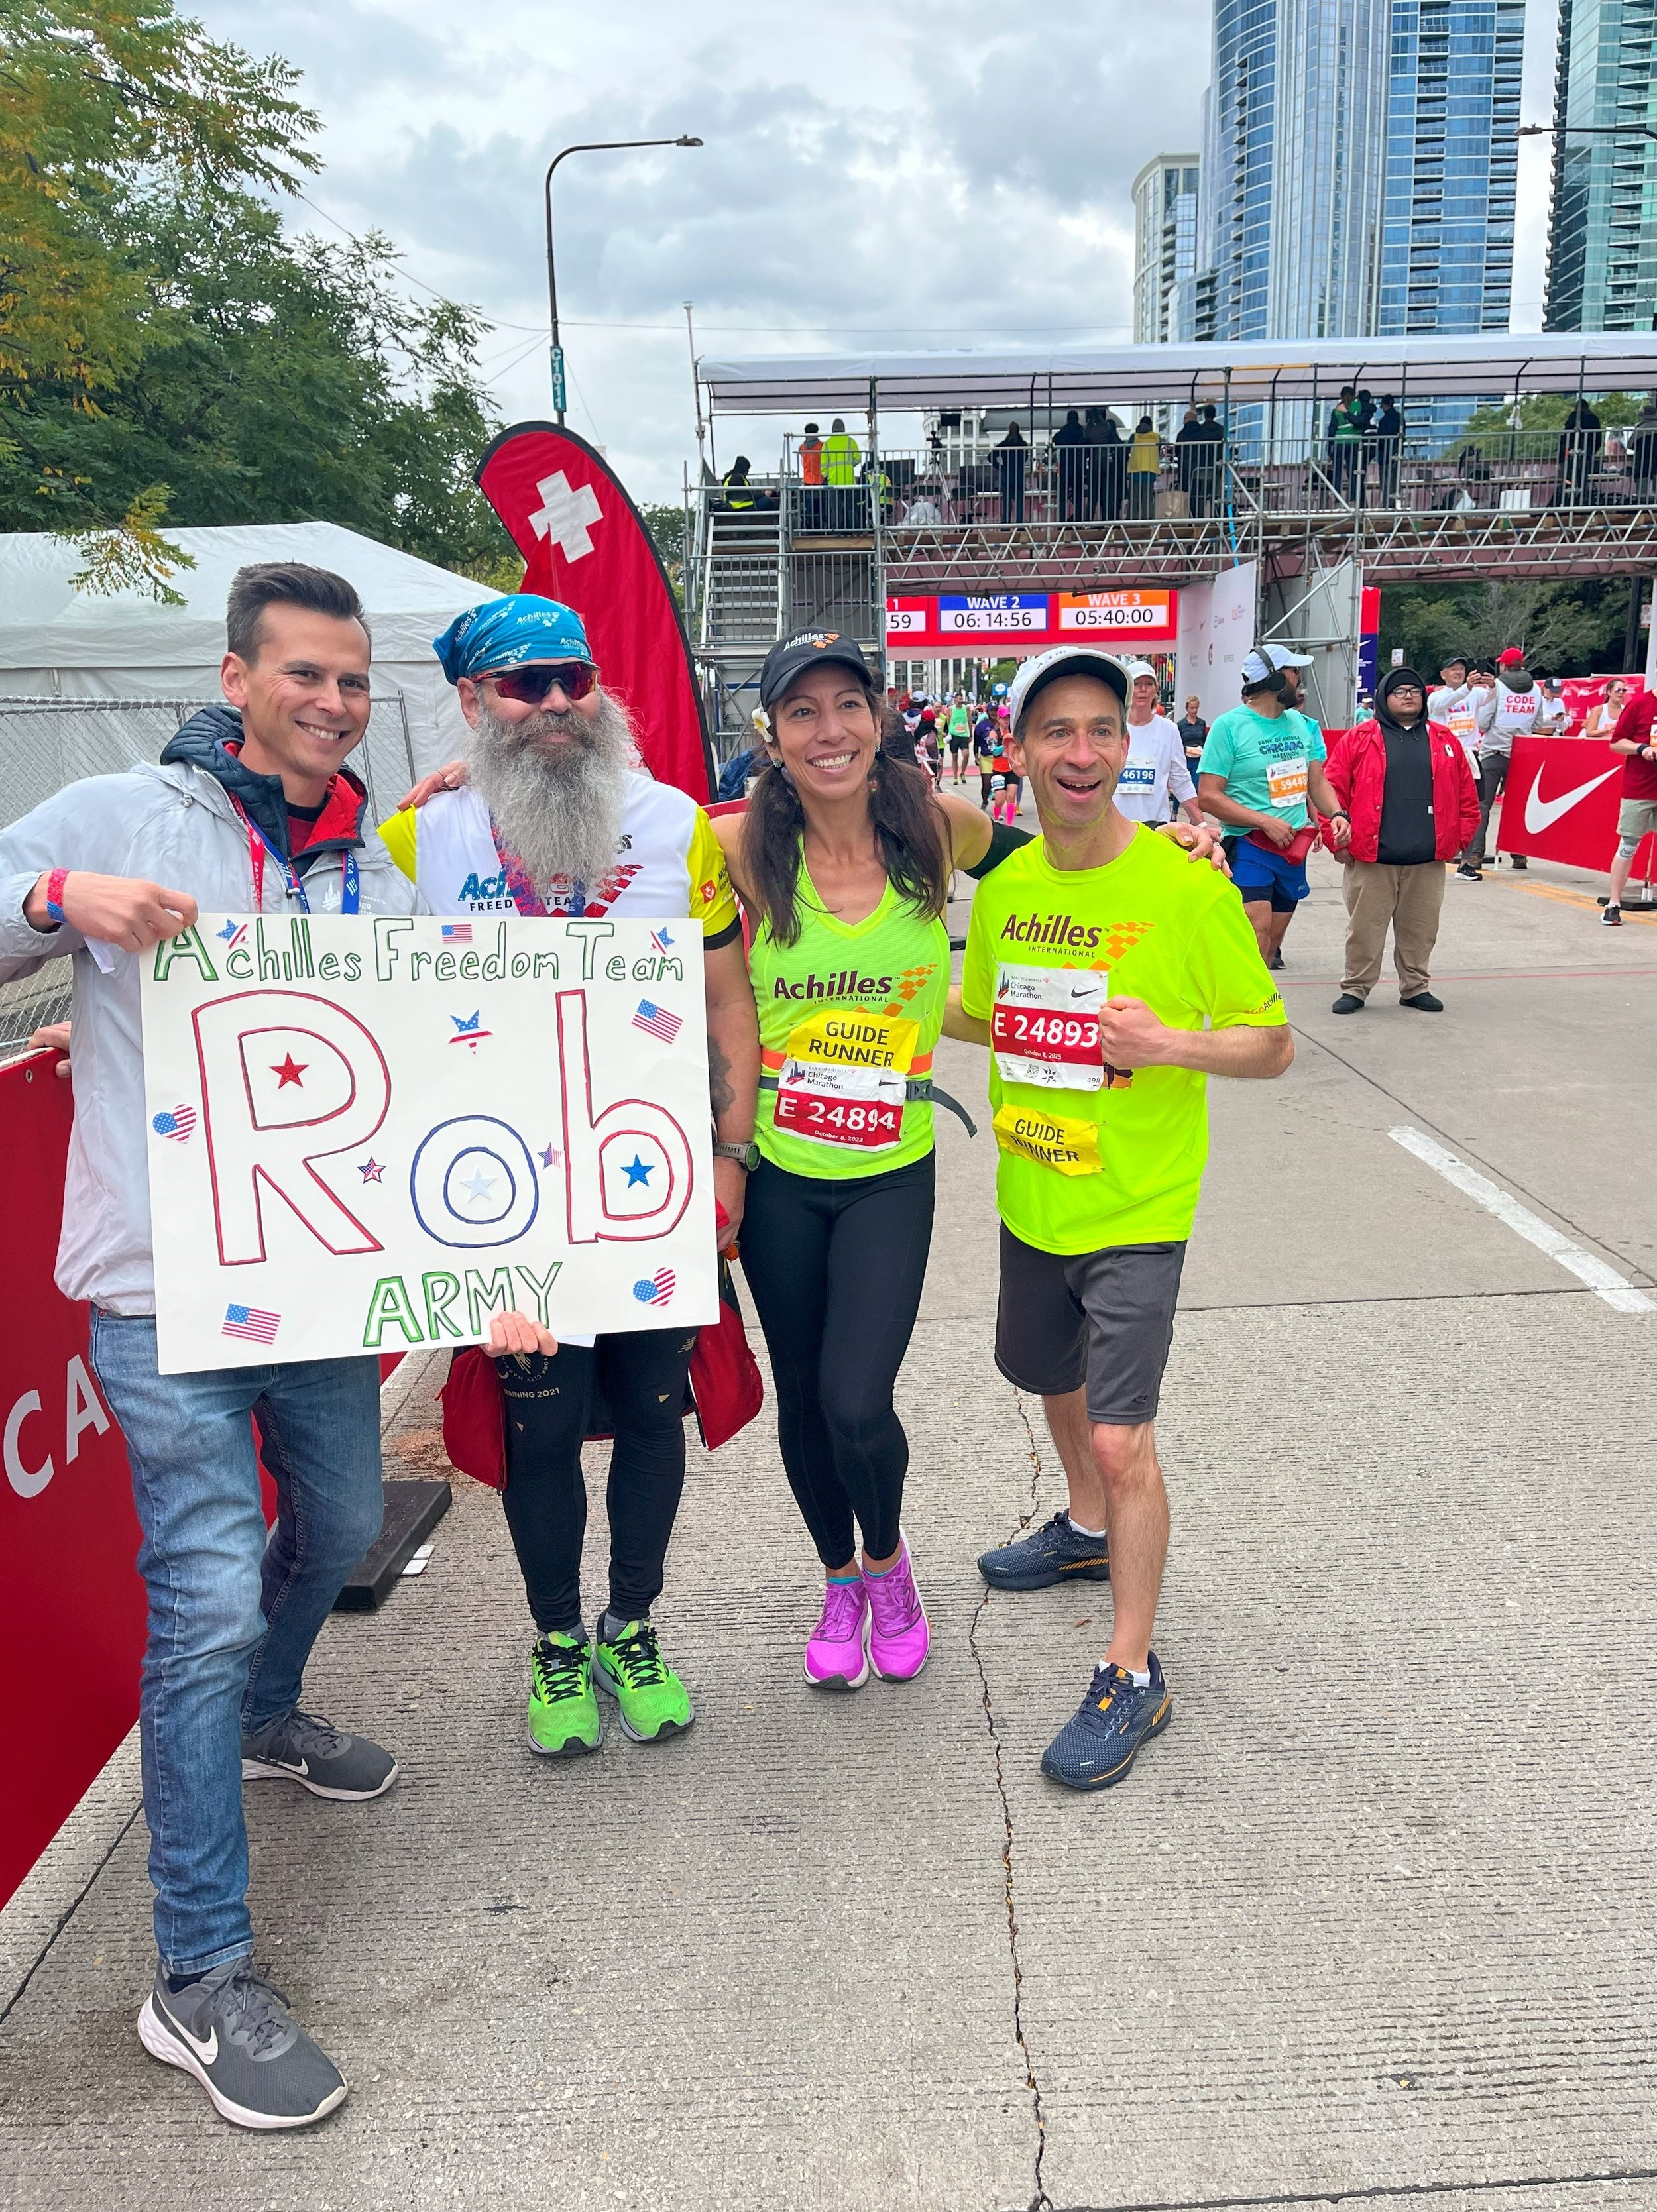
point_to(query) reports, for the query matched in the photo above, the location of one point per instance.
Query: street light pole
(601, 146)
(1587, 131)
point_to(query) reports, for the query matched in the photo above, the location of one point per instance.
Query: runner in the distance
(960, 737)
(1155, 767)
(555, 820)
(1094, 958)
(983, 741)
(842, 859)
(1261, 762)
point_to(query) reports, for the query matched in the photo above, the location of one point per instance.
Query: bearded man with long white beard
(557, 818)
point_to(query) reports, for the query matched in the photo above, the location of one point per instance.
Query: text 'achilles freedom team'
(1109, 968)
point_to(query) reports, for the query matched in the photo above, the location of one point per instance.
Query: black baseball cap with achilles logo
(808, 649)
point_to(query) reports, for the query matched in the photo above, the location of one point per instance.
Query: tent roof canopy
(1280, 369)
(44, 621)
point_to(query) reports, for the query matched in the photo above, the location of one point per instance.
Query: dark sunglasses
(575, 679)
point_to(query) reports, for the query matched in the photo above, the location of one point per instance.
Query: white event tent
(57, 642)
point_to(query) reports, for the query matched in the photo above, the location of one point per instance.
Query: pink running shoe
(835, 1659)
(898, 1638)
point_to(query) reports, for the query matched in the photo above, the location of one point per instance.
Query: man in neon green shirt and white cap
(1095, 956)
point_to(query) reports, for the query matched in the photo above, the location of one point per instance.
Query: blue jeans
(232, 1617)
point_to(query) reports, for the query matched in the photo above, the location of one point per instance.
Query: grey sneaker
(234, 2032)
(1056, 1554)
(307, 1749)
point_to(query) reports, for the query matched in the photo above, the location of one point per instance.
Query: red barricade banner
(71, 1605)
(1560, 803)
(585, 543)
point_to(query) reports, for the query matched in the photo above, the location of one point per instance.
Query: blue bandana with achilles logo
(510, 633)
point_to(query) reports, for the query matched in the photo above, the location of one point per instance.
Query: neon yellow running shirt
(848, 1016)
(1090, 1157)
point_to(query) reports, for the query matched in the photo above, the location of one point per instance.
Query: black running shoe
(1056, 1554)
(1098, 1745)
(322, 1759)
(232, 2031)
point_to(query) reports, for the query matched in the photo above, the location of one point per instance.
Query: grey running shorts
(1103, 1318)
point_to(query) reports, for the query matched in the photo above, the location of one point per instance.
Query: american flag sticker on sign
(177, 1123)
(657, 1022)
(656, 1290)
(457, 933)
(253, 1323)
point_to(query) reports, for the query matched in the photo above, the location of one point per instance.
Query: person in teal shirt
(1261, 762)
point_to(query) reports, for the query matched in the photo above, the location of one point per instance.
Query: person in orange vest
(811, 476)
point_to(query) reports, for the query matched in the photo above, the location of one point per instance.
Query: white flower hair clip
(761, 720)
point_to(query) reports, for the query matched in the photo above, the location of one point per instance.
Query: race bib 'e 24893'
(1044, 1027)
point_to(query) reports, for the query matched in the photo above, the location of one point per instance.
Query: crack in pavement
(1393, 2192)
(1040, 2201)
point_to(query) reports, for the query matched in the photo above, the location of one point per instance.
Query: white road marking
(1601, 1279)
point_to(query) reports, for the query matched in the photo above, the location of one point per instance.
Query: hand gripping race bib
(845, 1076)
(1286, 781)
(1045, 1028)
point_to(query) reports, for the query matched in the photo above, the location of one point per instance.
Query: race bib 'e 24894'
(1044, 1027)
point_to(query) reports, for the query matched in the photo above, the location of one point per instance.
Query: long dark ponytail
(908, 832)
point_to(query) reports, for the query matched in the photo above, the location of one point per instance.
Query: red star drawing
(289, 1071)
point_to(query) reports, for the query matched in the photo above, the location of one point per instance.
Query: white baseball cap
(1066, 660)
(1269, 660)
(1138, 668)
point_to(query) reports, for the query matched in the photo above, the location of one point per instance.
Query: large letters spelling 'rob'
(370, 1135)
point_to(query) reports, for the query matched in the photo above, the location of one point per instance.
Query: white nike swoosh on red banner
(1541, 813)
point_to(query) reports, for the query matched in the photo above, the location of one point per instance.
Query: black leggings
(550, 1404)
(836, 1269)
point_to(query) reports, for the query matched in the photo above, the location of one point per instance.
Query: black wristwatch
(745, 1155)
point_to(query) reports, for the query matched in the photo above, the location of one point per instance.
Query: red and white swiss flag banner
(583, 543)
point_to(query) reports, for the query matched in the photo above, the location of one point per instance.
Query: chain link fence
(45, 743)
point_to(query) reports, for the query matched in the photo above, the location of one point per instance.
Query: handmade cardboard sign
(370, 1134)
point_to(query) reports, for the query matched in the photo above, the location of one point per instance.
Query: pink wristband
(55, 883)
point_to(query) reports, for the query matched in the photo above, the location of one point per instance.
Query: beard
(556, 785)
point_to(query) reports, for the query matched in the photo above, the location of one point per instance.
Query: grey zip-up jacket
(175, 825)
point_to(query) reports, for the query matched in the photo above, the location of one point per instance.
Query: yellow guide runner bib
(848, 1016)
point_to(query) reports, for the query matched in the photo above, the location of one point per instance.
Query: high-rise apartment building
(1447, 256)
(1602, 234)
(1358, 168)
(1295, 122)
(1164, 243)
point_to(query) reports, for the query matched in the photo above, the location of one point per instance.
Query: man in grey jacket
(248, 809)
(1508, 709)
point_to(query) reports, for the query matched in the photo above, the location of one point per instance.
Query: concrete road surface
(1371, 1925)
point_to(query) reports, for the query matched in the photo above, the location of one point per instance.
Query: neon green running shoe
(651, 1701)
(564, 1714)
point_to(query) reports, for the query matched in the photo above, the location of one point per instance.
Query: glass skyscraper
(1359, 163)
(1446, 261)
(1602, 237)
(1164, 242)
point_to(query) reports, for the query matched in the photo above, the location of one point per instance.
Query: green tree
(1575, 628)
(186, 359)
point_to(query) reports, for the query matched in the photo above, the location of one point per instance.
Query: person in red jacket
(1405, 785)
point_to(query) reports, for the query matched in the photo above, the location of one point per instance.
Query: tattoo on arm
(720, 1093)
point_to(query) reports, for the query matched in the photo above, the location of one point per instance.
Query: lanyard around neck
(259, 846)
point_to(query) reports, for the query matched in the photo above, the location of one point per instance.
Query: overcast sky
(937, 174)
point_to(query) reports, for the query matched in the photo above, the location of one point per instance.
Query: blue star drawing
(551, 1157)
(371, 1169)
(478, 1185)
(636, 1172)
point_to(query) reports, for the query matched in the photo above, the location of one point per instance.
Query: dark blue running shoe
(1098, 1746)
(1056, 1554)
